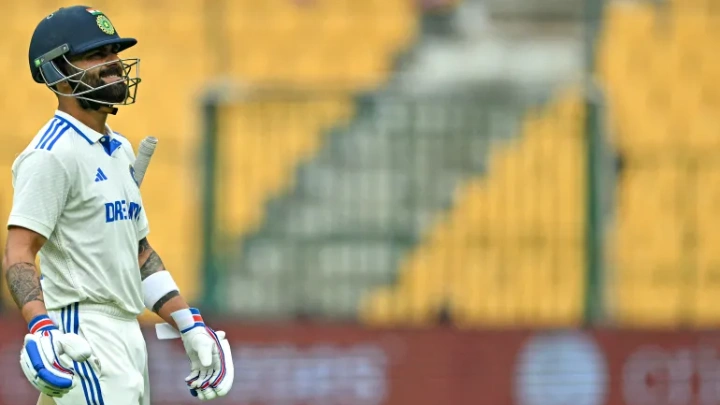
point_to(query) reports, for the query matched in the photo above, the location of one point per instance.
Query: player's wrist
(32, 309)
(41, 323)
(187, 319)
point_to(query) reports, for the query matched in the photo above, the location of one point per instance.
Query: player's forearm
(24, 284)
(151, 263)
(175, 303)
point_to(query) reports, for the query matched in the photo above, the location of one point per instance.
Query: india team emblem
(105, 25)
(102, 21)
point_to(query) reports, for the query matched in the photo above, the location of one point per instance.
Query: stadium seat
(510, 250)
(326, 43)
(662, 79)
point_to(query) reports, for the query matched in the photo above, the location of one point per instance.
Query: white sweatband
(156, 286)
(184, 319)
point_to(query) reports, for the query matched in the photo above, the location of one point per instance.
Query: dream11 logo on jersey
(122, 211)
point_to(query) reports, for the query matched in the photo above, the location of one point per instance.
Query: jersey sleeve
(41, 187)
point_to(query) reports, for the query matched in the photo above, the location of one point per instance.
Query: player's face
(110, 72)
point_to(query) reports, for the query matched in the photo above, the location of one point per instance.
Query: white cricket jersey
(76, 187)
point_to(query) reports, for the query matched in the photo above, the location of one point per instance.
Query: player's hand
(212, 370)
(47, 357)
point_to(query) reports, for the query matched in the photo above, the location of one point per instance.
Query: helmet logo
(105, 24)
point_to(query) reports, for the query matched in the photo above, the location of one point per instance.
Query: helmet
(72, 31)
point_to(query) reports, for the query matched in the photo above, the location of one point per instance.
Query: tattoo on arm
(162, 301)
(143, 246)
(152, 264)
(24, 283)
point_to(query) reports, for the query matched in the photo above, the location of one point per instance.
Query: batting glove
(212, 370)
(47, 357)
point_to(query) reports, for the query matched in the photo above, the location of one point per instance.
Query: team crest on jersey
(132, 174)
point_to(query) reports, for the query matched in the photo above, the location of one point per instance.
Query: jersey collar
(83, 130)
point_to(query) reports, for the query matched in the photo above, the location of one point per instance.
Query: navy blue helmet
(72, 31)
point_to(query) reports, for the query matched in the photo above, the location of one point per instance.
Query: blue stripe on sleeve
(58, 136)
(44, 143)
(48, 132)
(62, 119)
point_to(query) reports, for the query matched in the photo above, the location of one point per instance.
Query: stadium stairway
(357, 207)
(509, 251)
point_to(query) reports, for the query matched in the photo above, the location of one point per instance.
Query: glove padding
(212, 371)
(47, 357)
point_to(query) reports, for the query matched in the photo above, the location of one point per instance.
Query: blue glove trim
(44, 374)
(41, 323)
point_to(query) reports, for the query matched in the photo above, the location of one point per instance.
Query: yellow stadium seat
(323, 43)
(662, 78)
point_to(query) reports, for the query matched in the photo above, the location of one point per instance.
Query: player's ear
(62, 88)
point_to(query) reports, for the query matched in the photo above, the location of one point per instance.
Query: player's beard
(114, 93)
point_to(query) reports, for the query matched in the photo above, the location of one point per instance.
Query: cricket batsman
(77, 205)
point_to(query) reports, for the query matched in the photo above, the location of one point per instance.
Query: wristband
(41, 323)
(156, 286)
(188, 318)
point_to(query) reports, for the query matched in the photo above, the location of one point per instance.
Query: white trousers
(117, 341)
